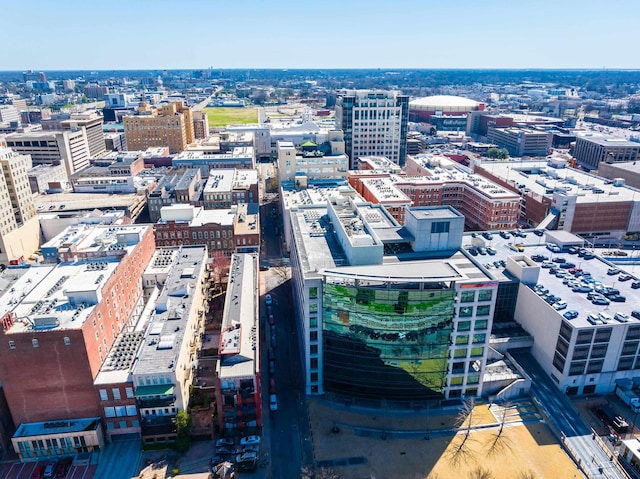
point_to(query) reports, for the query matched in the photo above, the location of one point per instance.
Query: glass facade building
(386, 340)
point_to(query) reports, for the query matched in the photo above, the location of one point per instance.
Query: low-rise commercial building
(239, 392)
(591, 150)
(165, 370)
(228, 187)
(190, 225)
(240, 157)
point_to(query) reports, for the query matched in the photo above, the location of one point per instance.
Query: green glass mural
(386, 343)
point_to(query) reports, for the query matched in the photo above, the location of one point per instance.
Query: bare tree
(321, 473)
(460, 451)
(528, 474)
(480, 473)
(282, 271)
(500, 442)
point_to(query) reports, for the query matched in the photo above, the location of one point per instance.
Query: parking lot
(25, 470)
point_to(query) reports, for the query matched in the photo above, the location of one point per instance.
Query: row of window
(120, 411)
(467, 311)
(104, 395)
(36, 343)
(470, 296)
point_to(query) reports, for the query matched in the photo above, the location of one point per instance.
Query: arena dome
(444, 103)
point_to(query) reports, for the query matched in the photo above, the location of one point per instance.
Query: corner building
(389, 312)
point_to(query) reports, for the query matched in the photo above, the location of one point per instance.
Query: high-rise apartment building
(170, 125)
(374, 123)
(14, 170)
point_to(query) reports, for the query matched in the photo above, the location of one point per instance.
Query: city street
(289, 425)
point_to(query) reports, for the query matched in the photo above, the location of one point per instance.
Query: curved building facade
(383, 339)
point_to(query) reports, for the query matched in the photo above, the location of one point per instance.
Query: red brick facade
(53, 377)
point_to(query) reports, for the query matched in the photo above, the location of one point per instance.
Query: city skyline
(286, 34)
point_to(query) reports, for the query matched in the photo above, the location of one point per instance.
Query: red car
(38, 472)
(272, 320)
(272, 386)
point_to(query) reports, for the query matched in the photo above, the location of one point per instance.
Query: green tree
(183, 426)
(498, 153)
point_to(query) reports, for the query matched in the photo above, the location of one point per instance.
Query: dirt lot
(525, 445)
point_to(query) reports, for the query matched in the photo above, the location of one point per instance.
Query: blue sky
(159, 34)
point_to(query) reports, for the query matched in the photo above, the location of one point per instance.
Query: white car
(249, 440)
(273, 402)
(560, 305)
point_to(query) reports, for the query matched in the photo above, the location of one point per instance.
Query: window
(314, 363)
(595, 366)
(477, 352)
(109, 412)
(467, 296)
(479, 338)
(313, 349)
(35, 343)
(565, 331)
(313, 293)
(131, 411)
(129, 392)
(576, 368)
(465, 311)
(584, 336)
(12, 345)
(103, 395)
(455, 381)
(313, 335)
(116, 393)
(481, 324)
(460, 353)
(483, 310)
(440, 227)
(625, 364)
(314, 377)
(464, 325)
(464, 339)
(485, 295)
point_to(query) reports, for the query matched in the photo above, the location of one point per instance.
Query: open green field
(230, 116)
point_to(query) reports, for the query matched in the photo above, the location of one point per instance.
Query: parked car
(589, 255)
(272, 367)
(571, 314)
(272, 320)
(635, 285)
(273, 402)
(582, 289)
(625, 277)
(272, 386)
(50, 469)
(567, 265)
(617, 298)
(613, 271)
(491, 251)
(505, 235)
(247, 457)
(249, 440)
(560, 305)
(224, 441)
(539, 257)
(559, 260)
(601, 301)
(38, 472)
(473, 251)
(622, 317)
(225, 451)
(635, 313)
(538, 232)
(573, 250)
(482, 251)
(268, 299)
(488, 236)
(63, 467)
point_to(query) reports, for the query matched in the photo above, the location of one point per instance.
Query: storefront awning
(157, 390)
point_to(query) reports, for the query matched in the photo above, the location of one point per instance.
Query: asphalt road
(566, 419)
(289, 425)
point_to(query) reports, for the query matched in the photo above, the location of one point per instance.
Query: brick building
(61, 320)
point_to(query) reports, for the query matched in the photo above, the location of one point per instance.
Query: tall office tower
(92, 122)
(374, 124)
(171, 125)
(69, 148)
